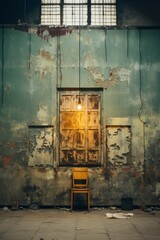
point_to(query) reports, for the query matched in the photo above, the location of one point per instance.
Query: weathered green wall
(35, 62)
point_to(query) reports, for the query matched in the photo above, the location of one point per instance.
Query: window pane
(50, 1)
(50, 15)
(103, 1)
(110, 15)
(75, 1)
(103, 15)
(75, 15)
(75, 12)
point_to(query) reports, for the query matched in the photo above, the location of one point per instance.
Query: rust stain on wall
(6, 160)
(52, 32)
(46, 55)
(43, 63)
(13, 145)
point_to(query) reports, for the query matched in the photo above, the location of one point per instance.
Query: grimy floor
(62, 224)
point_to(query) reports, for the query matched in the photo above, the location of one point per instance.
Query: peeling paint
(41, 146)
(118, 144)
(116, 75)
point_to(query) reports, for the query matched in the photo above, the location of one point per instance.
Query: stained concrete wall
(124, 64)
(138, 13)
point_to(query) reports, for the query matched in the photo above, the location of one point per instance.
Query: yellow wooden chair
(80, 184)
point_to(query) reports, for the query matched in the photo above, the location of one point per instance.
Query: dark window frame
(89, 5)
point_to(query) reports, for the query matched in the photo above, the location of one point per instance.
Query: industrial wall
(40, 64)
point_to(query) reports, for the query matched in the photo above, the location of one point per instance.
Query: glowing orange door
(79, 129)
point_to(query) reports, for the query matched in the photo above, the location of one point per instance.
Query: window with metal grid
(78, 12)
(103, 12)
(50, 12)
(75, 12)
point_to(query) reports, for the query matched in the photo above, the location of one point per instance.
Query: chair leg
(88, 200)
(72, 200)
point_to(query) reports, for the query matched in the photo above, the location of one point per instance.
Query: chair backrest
(80, 177)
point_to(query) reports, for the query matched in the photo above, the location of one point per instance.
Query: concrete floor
(62, 224)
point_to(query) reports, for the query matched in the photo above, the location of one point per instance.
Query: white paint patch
(15, 127)
(147, 67)
(42, 113)
(124, 75)
(50, 175)
(46, 33)
(135, 66)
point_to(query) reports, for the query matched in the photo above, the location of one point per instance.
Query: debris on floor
(119, 215)
(151, 209)
(6, 209)
(34, 206)
(15, 206)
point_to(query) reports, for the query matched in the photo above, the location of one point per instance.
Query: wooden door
(79, 138)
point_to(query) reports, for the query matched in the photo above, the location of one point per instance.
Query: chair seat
(80, 189)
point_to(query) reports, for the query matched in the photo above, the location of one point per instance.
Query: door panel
(79, 129)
